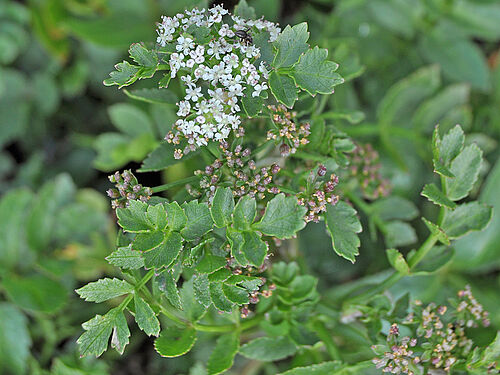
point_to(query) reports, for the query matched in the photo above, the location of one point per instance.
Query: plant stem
(170, 185)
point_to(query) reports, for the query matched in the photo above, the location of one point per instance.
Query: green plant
(207, 265)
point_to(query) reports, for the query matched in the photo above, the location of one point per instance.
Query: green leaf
(201, 291)
(466, 168)
(251, 104)
(466, 218)
(235, 294)
(169, 287)
(243, 10)
(436, 196)
(325, 368)
(283, 217)
(222, 207)
(290, 44)
(126, 258)
(15, 340)
(193, 310)
(236, 240)
(399, 233)
(130, 119)
(451, 144)
(253, 248)
(14, 209)
(199, 220)
(221, 274)
(124, 75)
(148, 240)
(315, 74)
(145, 317)
(166, 253)
(394, 208)
(177, 219)
(437, 231)
(478, 18)
(441, 256)
(219, 299)
(121, 333)
(94, 341)
(210, 263)
(163, 157)
(283, 88)
(175, 341)
(133, 218)
(222, 357)
(396, 16)
(142, 56)
(460, 59)
(157, 215)
(268, 349)
(153, 95)
(401, 100)
(397, 261)
(35, 292)
(343, 226)
(104, 289)
(432, 111)
(244, 213)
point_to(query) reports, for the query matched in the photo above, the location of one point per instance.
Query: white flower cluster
(216, 74)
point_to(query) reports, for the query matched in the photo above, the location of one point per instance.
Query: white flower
(258, 88)
(184, 108)
(193, 94)
(184, 44)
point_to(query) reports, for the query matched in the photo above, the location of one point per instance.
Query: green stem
(307, 156)
(170, 185)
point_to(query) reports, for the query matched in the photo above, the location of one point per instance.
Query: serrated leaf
(126, 258)
(244, 213)
(283, 88)
(253, 248)
(290, 44)
(124, 75)
(157, 216)
(175, 341)
(235, 294)
(219, 299)
(133, 218)
(210, 263)
(148, 240)
(436, 196)
(176, 217)
(235, 240)
(164, 254)
(268, 349)
(199, 220)
(193, 310)
(201, 292)
(397, 261)
(466, 218)
(169, 287)
(104, 289)
(437, 231)
(94, 341)
(222, 357)
(222, 207)
(220, 275)
(162, 157)
(121, 333)
(283, 217)
(343, 226)
(315, 74)
(145, 317)
(465, 167)
(142, 56)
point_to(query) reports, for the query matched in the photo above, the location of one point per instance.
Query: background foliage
(408, 65)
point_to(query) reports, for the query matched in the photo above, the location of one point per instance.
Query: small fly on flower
(244, 36)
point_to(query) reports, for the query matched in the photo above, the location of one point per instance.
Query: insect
(244, 36)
